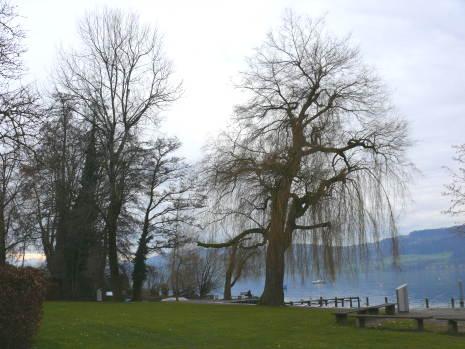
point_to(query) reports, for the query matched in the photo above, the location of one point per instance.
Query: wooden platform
(419, 318)
(341, 316)
(452, 323)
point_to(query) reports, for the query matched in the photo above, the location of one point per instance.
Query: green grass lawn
(170, 325)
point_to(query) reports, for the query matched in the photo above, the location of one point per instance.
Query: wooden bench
(390, 309)
(246, 294)
(253, 300)
(361, 319)
(452, 323)
(341, 316)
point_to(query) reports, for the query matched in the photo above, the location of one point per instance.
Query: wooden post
(420, 325)
(360, 322)
(367, 302)
(452, 326)
(358, 302)
(341, 318)
(326, 302)
(452, 302)
(385, 299)
(427, 303)
(342, 302)
(350, 302)
(321, 301)
(335, 302)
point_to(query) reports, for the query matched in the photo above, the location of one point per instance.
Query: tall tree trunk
(57, 263)
(62, 201)
(112, 226)
(2, 238)
(83, 243)
(273, 293)
(229, 273)
(140, 268)
(278, 241)
(227, 287)
(94, 273)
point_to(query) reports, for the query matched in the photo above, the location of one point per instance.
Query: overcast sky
(418, 47)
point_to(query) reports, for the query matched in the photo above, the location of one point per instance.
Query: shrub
(22, 292)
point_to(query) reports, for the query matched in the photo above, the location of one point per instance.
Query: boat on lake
(318, 282)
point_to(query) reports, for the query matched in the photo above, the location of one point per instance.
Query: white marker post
(99, 295)
(402, 299)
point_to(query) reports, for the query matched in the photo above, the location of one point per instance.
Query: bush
(22, 292)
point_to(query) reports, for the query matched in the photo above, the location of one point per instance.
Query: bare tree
(195, 272)
(181, 279)
(18, 110)
(121, 74)
(315, 151)
(18, 104)
(167, 200)
(11, 48)
(53, 172)
(241, 252)
(13, 230)
(238, 259)
(208, 271)
(156, 280)
(456, 189)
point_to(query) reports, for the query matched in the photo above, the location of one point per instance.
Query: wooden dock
(336, 302)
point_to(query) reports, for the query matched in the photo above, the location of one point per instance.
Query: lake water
(438, 285)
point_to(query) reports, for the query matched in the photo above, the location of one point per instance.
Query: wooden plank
(419, 319)
(450, 318)
(413, 317)
(373, 308)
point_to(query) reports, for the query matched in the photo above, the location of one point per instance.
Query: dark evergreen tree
(84, 248)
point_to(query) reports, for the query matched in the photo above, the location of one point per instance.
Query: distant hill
(434, 241)
(421, 249)
(429, 248)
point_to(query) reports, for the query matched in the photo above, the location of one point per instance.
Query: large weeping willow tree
(315, 154)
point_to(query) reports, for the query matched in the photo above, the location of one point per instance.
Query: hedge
(22, 292)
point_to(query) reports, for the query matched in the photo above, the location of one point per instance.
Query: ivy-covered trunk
(140, 268)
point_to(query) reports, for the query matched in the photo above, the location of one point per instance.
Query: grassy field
(169, 325)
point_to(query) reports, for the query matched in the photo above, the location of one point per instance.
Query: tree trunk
(229, 273)
(113, 214)
(94, 274)
(273, 293)
(84, 243)
(2, 239)
(57, 262)
(278, 241)
(227, 288)
(140, 268)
